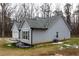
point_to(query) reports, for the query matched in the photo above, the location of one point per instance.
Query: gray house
(39, 30)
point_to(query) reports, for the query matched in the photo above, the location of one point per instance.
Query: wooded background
(19, 11)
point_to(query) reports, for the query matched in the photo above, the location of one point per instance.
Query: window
(25, 35)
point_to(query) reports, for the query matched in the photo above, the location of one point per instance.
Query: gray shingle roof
(40, 22)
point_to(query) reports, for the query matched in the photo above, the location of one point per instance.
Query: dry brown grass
(23, 52)
(38, 50)
(4, 51)
(68, 52)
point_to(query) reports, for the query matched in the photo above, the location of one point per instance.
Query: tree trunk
(3, 22)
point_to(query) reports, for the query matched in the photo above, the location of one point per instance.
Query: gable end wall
(40, 36)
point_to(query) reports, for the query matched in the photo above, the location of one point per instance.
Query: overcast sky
(40, 1)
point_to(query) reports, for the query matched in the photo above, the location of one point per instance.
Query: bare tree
(25, 11)
(3, 5)
(29, 10)
(76, 21)
(67, 9)
(6, 11)
(45, 8)
(57, 7)
(37, 9)
(58, 11)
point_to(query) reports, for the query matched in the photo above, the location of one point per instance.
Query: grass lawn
(40, 49)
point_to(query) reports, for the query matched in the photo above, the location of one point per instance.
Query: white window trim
(26, 35)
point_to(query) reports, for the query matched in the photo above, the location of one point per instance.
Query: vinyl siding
(25, 27)
(39, 36)
(15, 32)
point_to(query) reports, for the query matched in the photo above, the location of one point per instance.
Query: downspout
(31, 37)
(19, 33)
